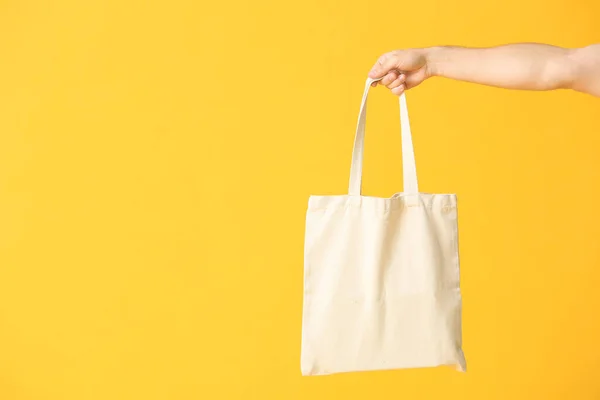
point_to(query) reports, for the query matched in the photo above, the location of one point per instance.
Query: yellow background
(155, 163)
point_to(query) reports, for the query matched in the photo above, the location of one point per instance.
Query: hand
(401, 69)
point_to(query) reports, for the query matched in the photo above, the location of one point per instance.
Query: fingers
(397, 82)
(411, 80)
(412, 64)
(389, 78)
(399, 89)
(403, 81)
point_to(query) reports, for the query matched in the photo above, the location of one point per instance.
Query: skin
(524, 66)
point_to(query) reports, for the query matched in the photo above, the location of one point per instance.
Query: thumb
(384, 64)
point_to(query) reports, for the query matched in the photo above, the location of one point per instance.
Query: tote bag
(381, 275)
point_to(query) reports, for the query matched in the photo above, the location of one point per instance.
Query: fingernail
(373, 73)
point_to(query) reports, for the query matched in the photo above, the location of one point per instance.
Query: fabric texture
(381, 275)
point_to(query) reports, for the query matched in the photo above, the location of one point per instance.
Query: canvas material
(381, 275)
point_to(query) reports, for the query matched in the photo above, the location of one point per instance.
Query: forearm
(514, 66)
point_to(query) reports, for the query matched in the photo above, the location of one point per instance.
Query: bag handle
(409, 168)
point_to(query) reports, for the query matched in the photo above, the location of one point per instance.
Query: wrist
(575, 67)
(433, 60)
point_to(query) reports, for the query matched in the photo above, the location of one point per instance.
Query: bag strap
(409, 168)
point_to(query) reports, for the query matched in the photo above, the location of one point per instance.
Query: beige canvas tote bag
(381, 275)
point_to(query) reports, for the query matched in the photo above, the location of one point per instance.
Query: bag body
(381, 275)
